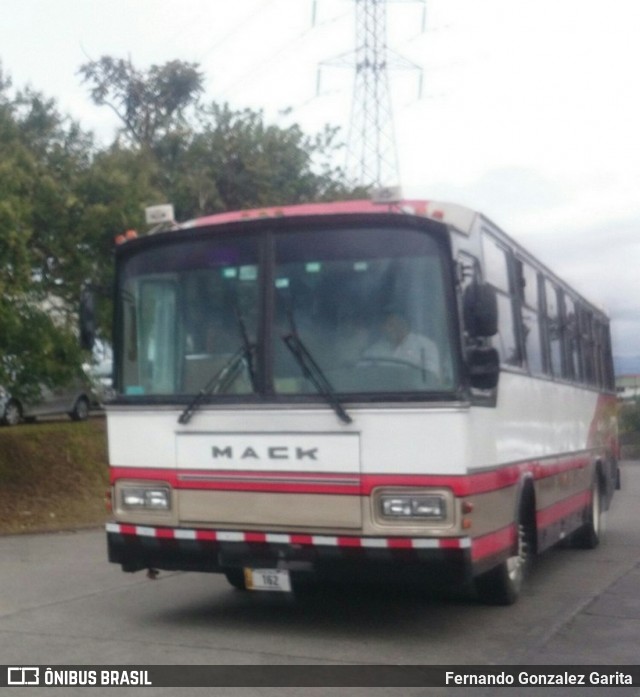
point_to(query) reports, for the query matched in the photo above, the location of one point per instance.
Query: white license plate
(267, 580)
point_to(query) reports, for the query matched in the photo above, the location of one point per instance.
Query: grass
(53, 476)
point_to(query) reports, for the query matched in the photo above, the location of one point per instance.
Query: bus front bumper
(325, 557)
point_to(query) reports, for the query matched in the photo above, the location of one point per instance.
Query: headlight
(424, 506)
(145, 498)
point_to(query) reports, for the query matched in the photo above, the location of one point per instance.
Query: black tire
(12, 413)
(589, 535)
(236, 578)
(80, 410)
(502, 584)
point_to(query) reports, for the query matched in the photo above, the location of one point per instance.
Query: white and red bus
(354, 390)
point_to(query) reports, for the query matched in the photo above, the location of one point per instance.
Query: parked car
(74, 399)
(100, 375)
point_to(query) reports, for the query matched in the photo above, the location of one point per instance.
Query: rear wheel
(589, 535)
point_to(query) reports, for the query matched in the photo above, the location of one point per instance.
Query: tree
(235, 160)
(63, 200)
(149, 103)
(629, 417)
(208, 158)
(34, 349)
(42, 157)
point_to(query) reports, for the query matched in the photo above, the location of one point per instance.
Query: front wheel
(588, 536)
(502, 584)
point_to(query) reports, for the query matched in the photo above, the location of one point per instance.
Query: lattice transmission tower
(372, 157)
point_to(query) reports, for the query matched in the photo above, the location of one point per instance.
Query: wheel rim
(595, 510)
(515, 564)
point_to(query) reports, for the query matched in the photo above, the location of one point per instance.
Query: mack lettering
(275, 452)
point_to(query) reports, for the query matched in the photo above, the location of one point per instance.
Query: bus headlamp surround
(138, 498)
(404, 506)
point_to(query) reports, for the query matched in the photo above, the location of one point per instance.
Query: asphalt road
(61, 603)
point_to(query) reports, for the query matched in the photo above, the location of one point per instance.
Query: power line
(258, 69)
(247, 19)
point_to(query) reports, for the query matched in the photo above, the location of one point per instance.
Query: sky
(529, 109)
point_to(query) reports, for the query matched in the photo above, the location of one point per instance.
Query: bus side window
(603, 362)
(527, 284)
(553, 329)
(609, 375)
(572, 340)
(585, 323)
(497, 274)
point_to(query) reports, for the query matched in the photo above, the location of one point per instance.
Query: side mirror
(87, 319)
(484, 368)
(480, 310)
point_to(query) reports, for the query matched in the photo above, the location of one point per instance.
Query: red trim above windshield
(311, 209)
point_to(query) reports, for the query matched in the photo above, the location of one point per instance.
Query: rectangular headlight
(424, 506)
(144, 498)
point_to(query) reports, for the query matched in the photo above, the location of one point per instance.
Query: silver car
(74, 399)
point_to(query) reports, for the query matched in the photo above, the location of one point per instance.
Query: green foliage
(235, 160)
(209, 158)
(63, 200)
(629, 417)
(149, 103)
(34, 350)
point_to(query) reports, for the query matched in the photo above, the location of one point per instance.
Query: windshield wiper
(222, 380)
(313, 372)
(247, 346)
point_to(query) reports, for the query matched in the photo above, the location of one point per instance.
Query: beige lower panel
(492, 511)
(495, 510)
(269, 511)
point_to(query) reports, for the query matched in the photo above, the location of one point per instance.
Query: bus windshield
(364, 309)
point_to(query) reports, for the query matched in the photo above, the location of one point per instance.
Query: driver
(399, 343)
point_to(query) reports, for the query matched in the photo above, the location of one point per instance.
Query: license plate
(267, 580)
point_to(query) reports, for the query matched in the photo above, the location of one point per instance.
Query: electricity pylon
(372, 158)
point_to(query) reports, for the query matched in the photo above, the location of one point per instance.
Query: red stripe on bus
(165, 533)
(349, 542)
(551, 514)
(493, 543)
(306, 540)
(345, 484)
(255, 537)
(206, 536)
(128, 530)
(399, 543)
